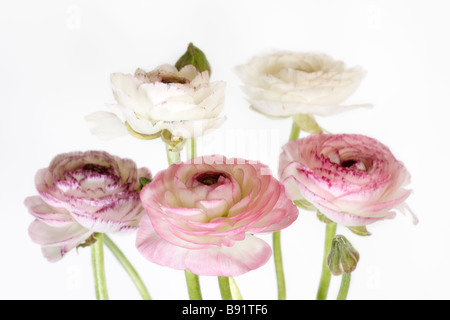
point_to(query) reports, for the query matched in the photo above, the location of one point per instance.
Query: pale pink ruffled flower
(202, 216)
(82, 193)
(352, 179)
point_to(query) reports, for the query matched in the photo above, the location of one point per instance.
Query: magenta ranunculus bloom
(82, 193)
(202, 216)
(352, 179)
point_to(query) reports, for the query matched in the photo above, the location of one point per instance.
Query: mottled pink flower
(352, 179)
(201, 216)
(81, 194)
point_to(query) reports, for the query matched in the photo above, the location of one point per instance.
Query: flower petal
(57, 241)
(285, 109)
(242, 257)
(105, 125)
(56, 217)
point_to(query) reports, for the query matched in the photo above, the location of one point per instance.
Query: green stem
(345, 285)
(326, 274)
(235, 292)
(192, 280)
(193, 285)
(128, 267)
(225, 290)
(276, 237)
(98, 266)
(295, 131)
(172, 156)
(191, 149)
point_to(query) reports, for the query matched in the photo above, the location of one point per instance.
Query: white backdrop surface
(55, 61)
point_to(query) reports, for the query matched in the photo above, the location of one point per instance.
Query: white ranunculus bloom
(183, 102)
(283, 84)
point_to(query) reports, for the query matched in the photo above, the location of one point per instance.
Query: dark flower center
(96, 168)
(173, 79)
(210, 178)
(348, 163)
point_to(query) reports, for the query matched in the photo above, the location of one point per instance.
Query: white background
(55, 61)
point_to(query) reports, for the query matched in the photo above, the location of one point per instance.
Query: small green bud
(143, 181)
(333, 259)
(194, 56)
(343, 258)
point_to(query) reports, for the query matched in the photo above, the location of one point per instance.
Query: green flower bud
(343, 258)
(195, 57)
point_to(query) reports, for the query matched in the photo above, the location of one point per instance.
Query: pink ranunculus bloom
(82, 193)
(202, 216)
(352, 179)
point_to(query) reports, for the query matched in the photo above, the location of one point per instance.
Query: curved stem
(193, 285)
(276, 237)
(99, 268)
(345, 285)
(128, 267)
(225, 290)
(326, 274)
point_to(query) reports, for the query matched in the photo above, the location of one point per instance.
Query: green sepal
(323, 218)
(194, 56)
(141, 135)
(360, 231)
(88, 242)
(303, 204)
(143, 181)
(175, 143)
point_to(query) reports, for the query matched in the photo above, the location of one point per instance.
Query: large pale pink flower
(82, 193)
(202, 216)
(352, 179)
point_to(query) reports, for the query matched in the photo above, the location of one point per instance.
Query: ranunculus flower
(284, 84)
(352, 179)
(202, 216)
(184, 102)
(82, 193)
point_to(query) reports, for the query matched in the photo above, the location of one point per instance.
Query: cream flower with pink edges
(352, 179)
(202, 216)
